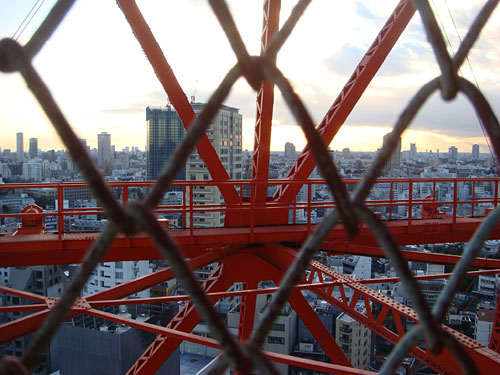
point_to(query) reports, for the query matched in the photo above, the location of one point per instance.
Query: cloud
(367, 13)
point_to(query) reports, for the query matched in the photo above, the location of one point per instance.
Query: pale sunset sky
(100, 77)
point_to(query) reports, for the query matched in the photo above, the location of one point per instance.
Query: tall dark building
(452, 154)
(33, 148)
(20, 148)
(290, 151)
(475, 152)
(165, 133)
(394, 161)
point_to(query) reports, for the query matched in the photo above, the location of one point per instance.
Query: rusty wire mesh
(136, 217)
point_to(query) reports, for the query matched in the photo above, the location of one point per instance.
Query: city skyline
(108, 97)
(472, 148)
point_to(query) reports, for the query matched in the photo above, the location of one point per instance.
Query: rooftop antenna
(193, 97)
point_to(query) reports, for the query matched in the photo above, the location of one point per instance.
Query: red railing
(394, 199)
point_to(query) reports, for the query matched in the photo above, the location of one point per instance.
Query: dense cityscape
(117, 345)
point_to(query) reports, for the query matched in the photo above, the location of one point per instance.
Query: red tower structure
(256, 232)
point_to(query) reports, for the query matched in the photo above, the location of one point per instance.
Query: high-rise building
(20, 148)
(224, 132)
(354, 339)
(394, 161)
(43, 280)
(104, 150)
(475, 152)
(346, 153)
(109, 274)
(413, 151)
(452, 154)
(290, 150)
(33, 148)
(164, 134)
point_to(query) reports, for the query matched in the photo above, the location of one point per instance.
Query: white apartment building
(225, 134)
(281, 338)
(354, 339)
(109, 274)
(485, 316)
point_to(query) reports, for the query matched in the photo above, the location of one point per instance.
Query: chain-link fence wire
(136, 217)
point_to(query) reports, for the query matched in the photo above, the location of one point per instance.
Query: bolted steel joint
(10, 55)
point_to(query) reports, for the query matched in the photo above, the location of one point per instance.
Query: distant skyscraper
(290, 151)
(394, 161)
(164, 134)
(453, 154)
(33, 148)
(104, 150)
(346, 153)
(413, 151)
(20, 147)
(475, 152)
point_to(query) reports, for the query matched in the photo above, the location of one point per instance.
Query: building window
(278, 327)
(276, 340)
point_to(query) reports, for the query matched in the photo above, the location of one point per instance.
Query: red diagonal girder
(23, 294)
(307, 314)
(247, 312)
(265, 102)
(349, 96)
(163, 346)
(320, 333)
(141, 283)
(22, 326)
(176, 95)
(495, 330)
(444, 363)
(27, 324)
(280, 358)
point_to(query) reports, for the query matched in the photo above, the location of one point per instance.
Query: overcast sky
(103, 82)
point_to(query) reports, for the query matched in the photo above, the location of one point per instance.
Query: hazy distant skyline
(98, 73)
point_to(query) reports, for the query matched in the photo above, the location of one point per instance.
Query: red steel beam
(349, 96)
(495, 330)
(316, 327)
(163, 346)
(147, 281)
(444, 363)
(415, 256)
(281, 358)
(46, 248)
(23, 294)
(247, 312)
(17, 308)
(176, 95)
(310, 319)
(22, 326)
(247, 292)
(265, 103)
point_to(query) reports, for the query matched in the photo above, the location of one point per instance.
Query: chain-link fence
(135, 217)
